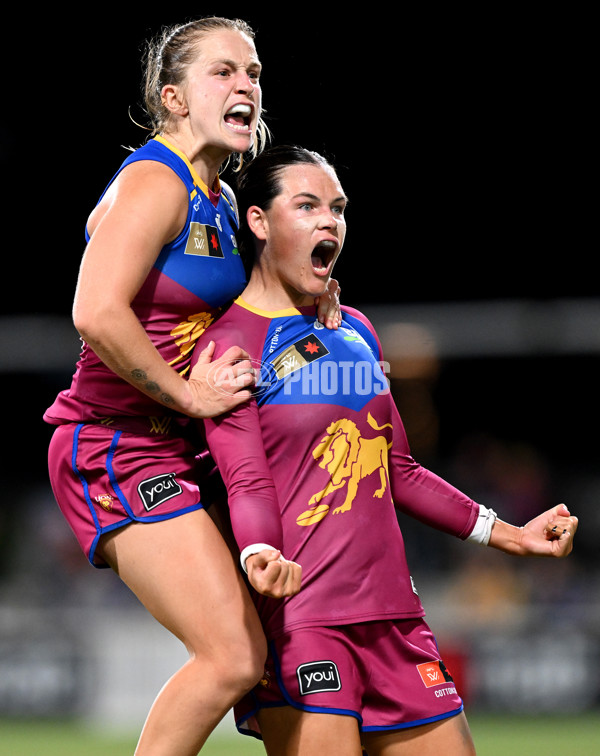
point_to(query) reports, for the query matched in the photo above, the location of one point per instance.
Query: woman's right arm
(143, 210)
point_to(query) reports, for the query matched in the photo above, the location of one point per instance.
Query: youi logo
(318, 677)
(156, 490)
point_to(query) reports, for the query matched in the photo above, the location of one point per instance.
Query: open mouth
(322, 257)
(239, 118)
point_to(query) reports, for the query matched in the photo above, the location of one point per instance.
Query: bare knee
(246, 666)
(236, 667)
(245, 653)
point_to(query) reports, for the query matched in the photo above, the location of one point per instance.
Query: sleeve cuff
(483, 526)
(254, 548)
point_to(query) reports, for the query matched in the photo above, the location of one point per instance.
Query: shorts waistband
(165, 425)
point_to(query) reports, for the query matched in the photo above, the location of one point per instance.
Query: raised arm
(432, 500)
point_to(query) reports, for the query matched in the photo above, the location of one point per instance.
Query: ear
(173, 100)
(257, 222)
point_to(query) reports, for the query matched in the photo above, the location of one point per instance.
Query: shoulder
(148, 191)
(354, 315)
(237, 326)
(361, 323)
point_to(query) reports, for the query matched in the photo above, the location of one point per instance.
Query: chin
(316, 291)
(239, 142)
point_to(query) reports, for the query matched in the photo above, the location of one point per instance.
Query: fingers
(563, 545)
(549, 534)
(560, 526)
(220, 386)
(328, 306)
(561, 529)
(272, 575)
(560, 521)
(559, 510)
(206, 354)
(234, 354)
(231, 377)
(232, 372)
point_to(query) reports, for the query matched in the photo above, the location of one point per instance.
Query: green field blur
(495, 735)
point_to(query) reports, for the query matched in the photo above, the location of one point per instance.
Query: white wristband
(254, 548)
(483, 526)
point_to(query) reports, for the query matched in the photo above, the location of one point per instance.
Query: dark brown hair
(259, 182)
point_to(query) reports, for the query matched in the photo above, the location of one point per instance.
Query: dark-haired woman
(315, 465)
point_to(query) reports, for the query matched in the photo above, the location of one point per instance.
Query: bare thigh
(451, 737)
(290, 732)
(184, 574)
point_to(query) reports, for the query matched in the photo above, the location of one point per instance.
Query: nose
(329, 220)
(244, 84)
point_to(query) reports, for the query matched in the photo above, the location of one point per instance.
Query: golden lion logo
(348, 457)
(186, 335)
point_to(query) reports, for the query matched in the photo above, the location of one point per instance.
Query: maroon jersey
(318, 462)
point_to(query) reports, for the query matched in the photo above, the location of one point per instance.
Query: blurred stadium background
(469, 250)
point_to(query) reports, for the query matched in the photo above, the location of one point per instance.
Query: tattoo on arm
(151, 386)
(138, 375)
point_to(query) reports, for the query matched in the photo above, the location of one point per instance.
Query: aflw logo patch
(434, 673)
(203, 241)
(317, 677)
(302, 353)
(157, 490)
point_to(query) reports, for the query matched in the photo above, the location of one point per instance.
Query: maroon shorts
(103, 479)
(387, 674)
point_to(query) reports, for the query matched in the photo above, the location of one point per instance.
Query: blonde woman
(161, 259)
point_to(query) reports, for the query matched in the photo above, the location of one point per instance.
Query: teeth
(241, 109)
(327, 244)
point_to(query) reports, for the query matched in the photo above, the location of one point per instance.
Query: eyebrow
(254, 63)
(318, 199)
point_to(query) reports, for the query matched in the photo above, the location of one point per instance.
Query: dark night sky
(462, 143)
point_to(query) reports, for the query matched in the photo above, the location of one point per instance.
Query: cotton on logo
(434, 673)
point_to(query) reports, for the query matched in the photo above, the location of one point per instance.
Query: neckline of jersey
(268, 313)
(195, 177)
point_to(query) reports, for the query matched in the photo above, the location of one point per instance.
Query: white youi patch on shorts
(155, 491)
(317, 677)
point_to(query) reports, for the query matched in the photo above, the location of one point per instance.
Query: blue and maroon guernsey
(317, 463)
(192, 277)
